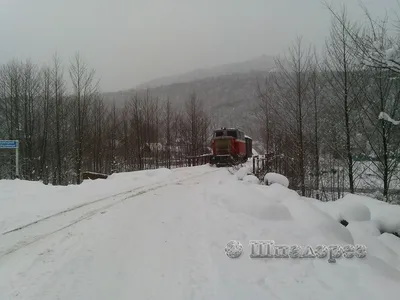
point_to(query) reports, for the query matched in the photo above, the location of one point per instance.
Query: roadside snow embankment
(368, 220)
(354, 208)
(243, 172)
(271, 178)
(371, 222)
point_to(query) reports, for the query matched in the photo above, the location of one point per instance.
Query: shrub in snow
(242, 172)
(250, 179)
(271, 178)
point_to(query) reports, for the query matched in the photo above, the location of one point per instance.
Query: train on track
(230, 146)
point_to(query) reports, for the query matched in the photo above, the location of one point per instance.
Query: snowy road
(21, 236)
(166, 240)
(99, 252)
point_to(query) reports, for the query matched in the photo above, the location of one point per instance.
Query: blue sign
(8, 144)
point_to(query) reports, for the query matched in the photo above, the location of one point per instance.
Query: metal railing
(199, 160)
(261, 164)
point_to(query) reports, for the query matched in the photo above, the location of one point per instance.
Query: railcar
(230, 146)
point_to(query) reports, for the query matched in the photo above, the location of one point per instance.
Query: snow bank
(386, 215)
(370, 228)
(360, 208)
(344, 210)
(390, 241)
(242, 172)
(368, 218)
(277, 203)
(271, 178)
(366, 233)
(251, 179)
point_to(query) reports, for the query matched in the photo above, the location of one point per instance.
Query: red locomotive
(230, 146)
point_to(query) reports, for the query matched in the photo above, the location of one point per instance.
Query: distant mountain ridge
(229, 92)
(262, 63)
(230, 99)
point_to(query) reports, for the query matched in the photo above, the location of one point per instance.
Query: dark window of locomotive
(219, 133)
(232, 133)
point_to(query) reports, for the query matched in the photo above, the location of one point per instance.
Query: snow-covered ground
(366, 176)
(161, 234)
(22, 202)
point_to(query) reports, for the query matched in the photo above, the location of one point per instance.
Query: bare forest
(64, 133)
(317, 114)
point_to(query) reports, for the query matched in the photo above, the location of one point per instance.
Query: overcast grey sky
(131, 41)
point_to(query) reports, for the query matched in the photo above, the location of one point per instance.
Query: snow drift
(271, 178)
(242, 172)
(385, 217)
(371, 222)
(251, 179)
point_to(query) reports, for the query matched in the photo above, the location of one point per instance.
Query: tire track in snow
(71, 209)
(87, 204)
(28, 234)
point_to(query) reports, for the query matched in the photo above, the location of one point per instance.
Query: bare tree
(168, 123)
(264, 113)
(113, 137)
(317, 90)
(12, 91)
(344, 78)
(58, 86)
(136, 127)
(30, 90)
(293, 84)
(97, 151)
(85, 88)
(46, 114)
(10, 104)
(371, 50)
(196, 125)
(381, 93)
